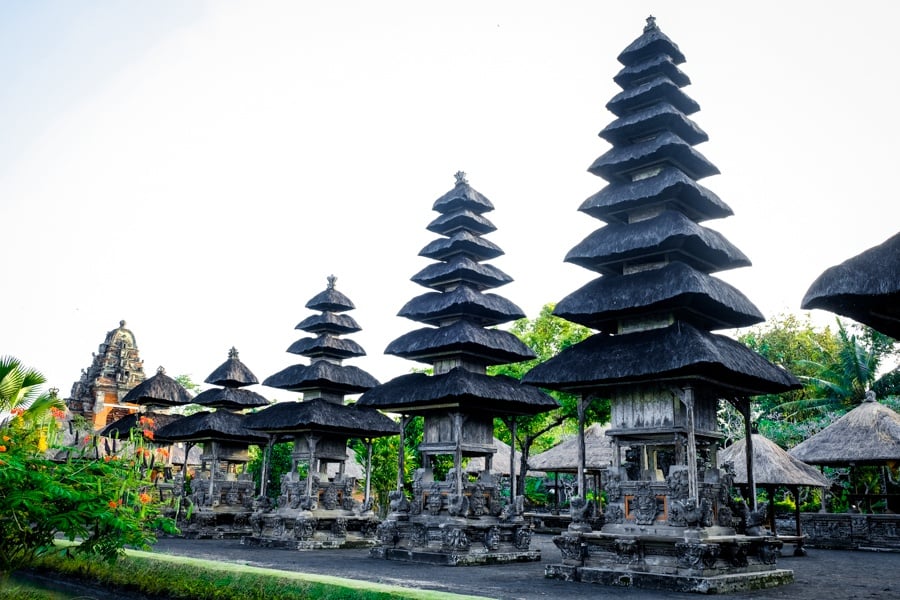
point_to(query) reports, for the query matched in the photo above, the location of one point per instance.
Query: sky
(198, 169)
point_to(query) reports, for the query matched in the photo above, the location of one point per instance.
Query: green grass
(184, 578)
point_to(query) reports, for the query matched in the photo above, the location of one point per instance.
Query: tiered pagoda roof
(326, 380)
(226, 423)
(656, 302)
(460, 340)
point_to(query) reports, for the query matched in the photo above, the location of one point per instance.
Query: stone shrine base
(679, 560)
(315, 529)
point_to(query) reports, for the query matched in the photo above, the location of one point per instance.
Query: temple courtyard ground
(837, 574)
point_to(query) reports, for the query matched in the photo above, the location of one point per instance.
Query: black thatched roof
(677, 352)
(660, 89)
(865, 288)
(232, 373)
(121, 428)
(690, 295)
(461, 242)
(461, 269)
(433, 308)
(323, 375)
(461, 220)
(230, 398)
(670, 188)
(330, 300)
(221, 425)
(652, 42)
(657, 116)
(326, 345)
(462, 197)
(669, 234)
(867, 435)
(322, 416)
(771, 464)
(666, 148)
(159, 390)
(660, 64)
(463, 339)
(497, 394)
(329, 322)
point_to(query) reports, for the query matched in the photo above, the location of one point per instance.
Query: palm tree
(20, 391)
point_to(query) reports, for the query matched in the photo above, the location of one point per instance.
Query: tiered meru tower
(458, 520)
(320, 510)
(669, 521)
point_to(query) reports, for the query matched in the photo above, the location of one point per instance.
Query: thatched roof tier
(463, 339)
(232, 373)
(434, 308)
(771, 464)
(121, 428)
(329, 322)
(661, 116)
(205, 426)
(230, 398)
(599, 453)
(418, 392)
(670, 189)
(659, 90)
(688, 294)
(670, 236)
(326, 345)
(461, 220)
(656, 65)
(464, 243)
(620, 162)
(865, 288)
(322, 416)
(679, 352)
(159, 390)
(461, 269)
(867, 435)
(462, 197)
(322, 375)
(330, 300)
(652, 42)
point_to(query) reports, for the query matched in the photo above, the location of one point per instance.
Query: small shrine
(462, 518)
(670, 521)
(318, 505)
(222, 493)
(115, 369)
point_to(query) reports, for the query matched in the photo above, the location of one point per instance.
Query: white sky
(199, 168)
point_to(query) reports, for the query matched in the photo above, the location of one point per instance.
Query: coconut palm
(21, 392)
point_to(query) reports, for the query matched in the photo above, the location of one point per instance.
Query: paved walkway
(837, 574)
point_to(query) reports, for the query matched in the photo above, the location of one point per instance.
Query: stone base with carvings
(312, 529)
(704, 560)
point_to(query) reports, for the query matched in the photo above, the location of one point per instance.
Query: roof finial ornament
(122, 323)
(233, 353)
(460, 178)
(651, 24)
(160, 370)
(331, 281)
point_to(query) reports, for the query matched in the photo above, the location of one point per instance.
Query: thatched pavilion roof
(221, 425)
(319, 415)
(599, 452)
(159, 390)
(865, 288)
(771, 464)
(496, 394)
(232, 373)
(462, 338)
(230, 398)
(121, 428)
(867, 435)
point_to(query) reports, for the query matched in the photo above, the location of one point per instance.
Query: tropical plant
(383, 473)
(104, 504)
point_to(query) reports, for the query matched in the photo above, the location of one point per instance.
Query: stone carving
(387, 533)
(398, 501)
(418, 535)
(454, 538)
(613, 487)
(644, 504)
(756, 520)
(458, 505)
(339, 527)
(330, 498)
(571, 547)
(677, 481)
(694, 554)
(523, 538)
(304, 527)
(628, 550)
(492, 539)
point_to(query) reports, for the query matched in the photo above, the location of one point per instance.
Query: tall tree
(547, 336)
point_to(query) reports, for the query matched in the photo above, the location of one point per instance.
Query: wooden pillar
(687, 397)
(369, 468)
(512, 459)
(581, 406)
(743, 405)
(214, 466)
(266, 467)
(401, 454)
(457, 455)
(311, 441)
